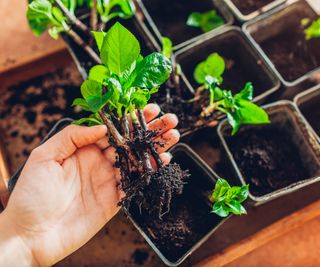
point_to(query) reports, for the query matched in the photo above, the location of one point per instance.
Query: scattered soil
(140, 256)
(241, 65)
(286, 46)
(247, 7)
(269, 158)
(171, 16)
(189, 218)
(311, 110)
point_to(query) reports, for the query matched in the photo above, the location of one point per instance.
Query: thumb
(62, 145)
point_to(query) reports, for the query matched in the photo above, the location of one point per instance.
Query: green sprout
(312, 31)
(206, 21)
(227, 199)
(238, 108)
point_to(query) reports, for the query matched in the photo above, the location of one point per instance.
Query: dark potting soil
(268, 158)
(311, 110)
(241, 65)
(287, 47)
(170, 16)
(189, 218)
(246, 7)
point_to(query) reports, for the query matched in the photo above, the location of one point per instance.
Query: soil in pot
(189, 218)
(247, 7)
(269, 157)
(241, 65)
(311, 110)
(286, 45)
(170, 17)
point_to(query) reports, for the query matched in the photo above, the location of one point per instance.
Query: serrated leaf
(119, 49)
(214, 66)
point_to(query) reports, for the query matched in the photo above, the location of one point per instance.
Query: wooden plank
(18, 46)
(264, 236)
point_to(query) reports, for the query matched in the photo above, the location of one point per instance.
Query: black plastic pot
(192, 207)
(246, 10)
(280, 39)
(308, 104)
(245, 64)
(274, 159)
(168, 18)
(84, 62)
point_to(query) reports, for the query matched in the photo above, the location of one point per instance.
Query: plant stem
(78, 40)
(154, 153)
(94, 16)
(74, 21)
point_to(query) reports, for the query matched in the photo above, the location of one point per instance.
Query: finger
(66, 142)
(167, 140)
(164, 123)
(165, 158)
(103, 143)
(151, 111)
(110, 154)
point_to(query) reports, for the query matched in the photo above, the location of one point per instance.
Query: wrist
(14, 251)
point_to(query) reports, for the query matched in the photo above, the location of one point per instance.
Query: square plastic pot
(287, 118)
(280, 39)
(245, 15)
(308, 102)
(200, 173)
(246, 64)
(160, 16)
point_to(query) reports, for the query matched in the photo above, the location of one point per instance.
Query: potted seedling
(184, 21)
(277, 158)
(308, 103)
(76, 21)
(246, 10)
(287, 47)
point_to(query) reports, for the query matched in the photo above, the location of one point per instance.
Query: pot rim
(220, 5)
(213, 177)
(266, 66)
(258, 200)
(301, 97)
(242, 17)
(246, 29)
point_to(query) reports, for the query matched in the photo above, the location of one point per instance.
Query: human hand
(68, 188)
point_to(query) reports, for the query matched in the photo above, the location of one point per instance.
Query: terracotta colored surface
(17, 43)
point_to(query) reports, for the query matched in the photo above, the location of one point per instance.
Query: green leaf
(96, 103)
(221, 187)
(206, 21)
(99, 73)
(246, 93)
(81, 103)
(99, 37)
(236, 208)
(250, 113)
(90, 88)
(220, 209)
(243, 193)
(214, 66)
(313, 31)
(235, 121)
(119, 49)
(151, 72)
(140, 98)
(167, 48)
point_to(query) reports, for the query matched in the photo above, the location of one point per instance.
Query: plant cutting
(206, 21)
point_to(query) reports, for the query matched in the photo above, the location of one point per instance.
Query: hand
(68, 188)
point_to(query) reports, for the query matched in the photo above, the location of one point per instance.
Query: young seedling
(238, 108)
(206, 21)
(227, 199)
(118, 90)
(313, 30)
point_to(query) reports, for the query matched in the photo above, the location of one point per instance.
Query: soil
(171, 16)
(287, 48)
(189, 218)
(247, 7)
(269, 158)
(311, 110)
(241, 65)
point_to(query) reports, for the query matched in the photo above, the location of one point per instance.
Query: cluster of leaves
(125, 80)
(109, 9)
(227, 199)
(206, 21)
(238, 108)
(313, 30)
